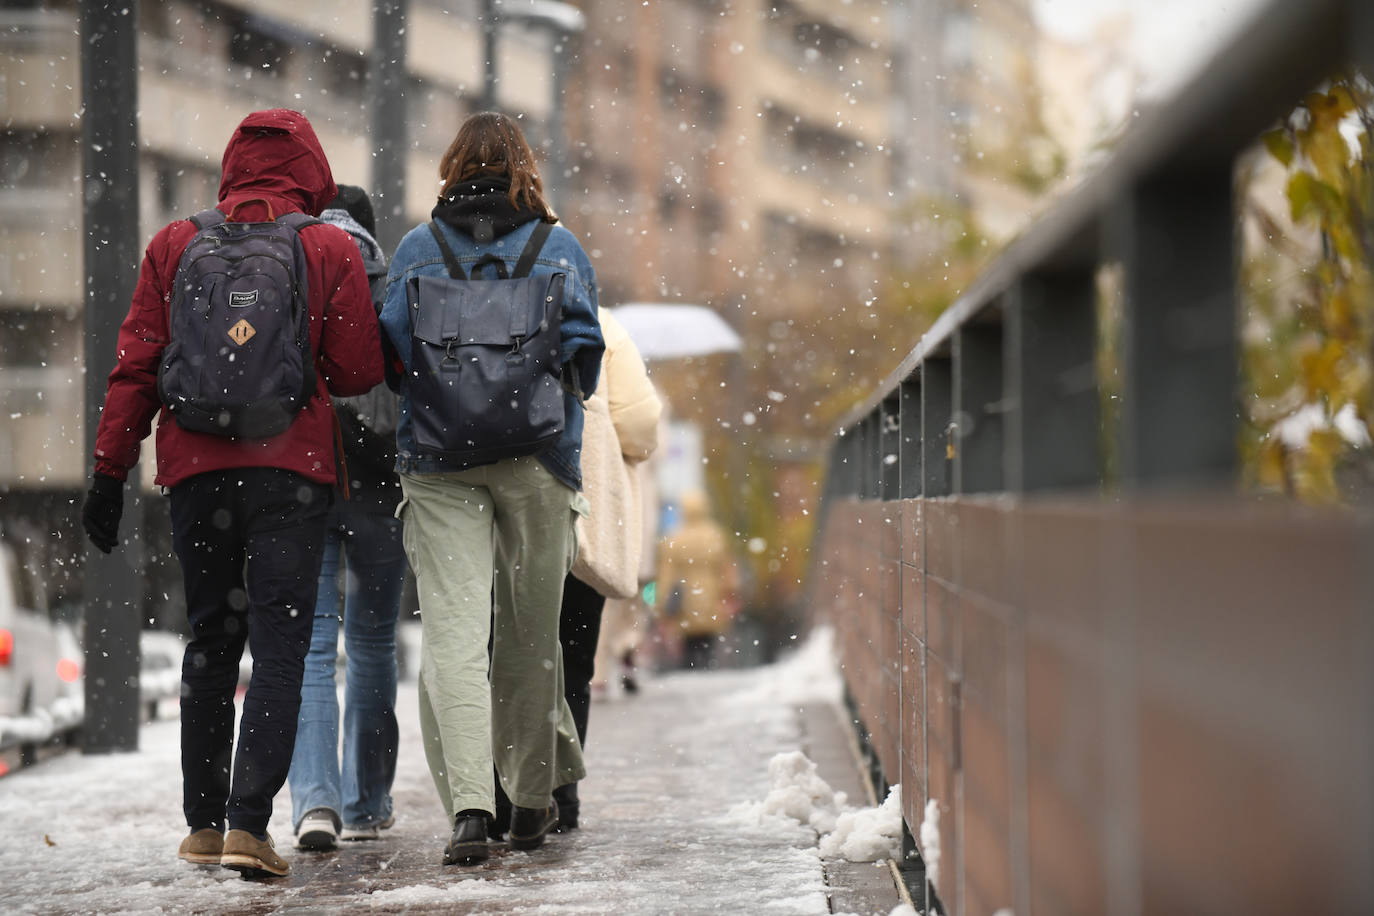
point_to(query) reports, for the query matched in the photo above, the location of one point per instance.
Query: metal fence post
(113, 583)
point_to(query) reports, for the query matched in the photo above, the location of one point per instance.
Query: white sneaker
(317, 830)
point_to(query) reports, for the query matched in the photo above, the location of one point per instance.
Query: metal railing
(1116, 701)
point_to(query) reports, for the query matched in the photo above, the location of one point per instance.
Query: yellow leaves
(1311, 198)
(1311, 341)
(1321, 367)
(1271, 467)
(1280, 145)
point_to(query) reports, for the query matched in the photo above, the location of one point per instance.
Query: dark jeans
(249, 541)
(579, 627)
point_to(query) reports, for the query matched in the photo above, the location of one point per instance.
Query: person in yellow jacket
(696, 581)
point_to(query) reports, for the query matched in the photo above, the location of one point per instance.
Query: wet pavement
(660, 829)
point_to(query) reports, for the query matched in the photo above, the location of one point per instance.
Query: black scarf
(481, 208)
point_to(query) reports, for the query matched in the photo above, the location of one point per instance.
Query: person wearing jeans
(353, 797)
(363, 541)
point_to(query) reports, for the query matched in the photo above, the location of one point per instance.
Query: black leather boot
(468, 844)
(566, 797)
(529, 826)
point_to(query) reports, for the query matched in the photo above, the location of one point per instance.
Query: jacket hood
(275, 156)
(374, 261)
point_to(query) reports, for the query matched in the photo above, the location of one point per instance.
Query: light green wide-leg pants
(504, 529)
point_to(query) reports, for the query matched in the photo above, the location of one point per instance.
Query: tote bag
(608, 539)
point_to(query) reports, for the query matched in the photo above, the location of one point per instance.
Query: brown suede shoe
(202, 847)
(252, 857)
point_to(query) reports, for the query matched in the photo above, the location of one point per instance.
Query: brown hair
(490, 144)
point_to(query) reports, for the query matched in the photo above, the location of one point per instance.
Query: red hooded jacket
(273, 164)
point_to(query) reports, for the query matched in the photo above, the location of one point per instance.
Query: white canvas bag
(608, 538)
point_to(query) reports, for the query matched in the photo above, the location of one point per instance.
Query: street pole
(113, 583)
(558, 138)
(386, 84)
(489, 55)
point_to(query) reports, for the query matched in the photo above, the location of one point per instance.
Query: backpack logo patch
(243, 300)
(242, 331)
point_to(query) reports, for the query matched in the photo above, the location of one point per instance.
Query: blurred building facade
(769, 158)
(738, 153)
(203, 65)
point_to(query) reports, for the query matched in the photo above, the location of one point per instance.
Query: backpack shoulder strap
(297, 220)
(455, 270)
(532, 249)
(206, 218)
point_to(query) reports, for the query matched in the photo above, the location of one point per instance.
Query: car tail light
(6, 647)
(69, 670)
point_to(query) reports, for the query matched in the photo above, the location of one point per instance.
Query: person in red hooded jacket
(248, 515)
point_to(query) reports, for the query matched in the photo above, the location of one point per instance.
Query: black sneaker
(566, 799)
(468, 844)
(528, 826)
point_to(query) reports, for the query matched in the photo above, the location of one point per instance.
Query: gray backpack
(238, 363)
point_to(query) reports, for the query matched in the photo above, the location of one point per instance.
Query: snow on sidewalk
(667, 769)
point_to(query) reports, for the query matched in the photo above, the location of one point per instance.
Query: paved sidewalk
(665, 769)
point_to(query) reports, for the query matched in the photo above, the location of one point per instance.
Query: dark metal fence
(1156, 697)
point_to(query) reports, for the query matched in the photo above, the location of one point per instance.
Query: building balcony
(40, 77)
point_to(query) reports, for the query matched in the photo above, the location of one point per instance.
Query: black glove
(100, 515)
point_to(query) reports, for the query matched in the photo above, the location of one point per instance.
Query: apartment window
(29, 338)
(345, 74)
(165, 179)
(256, 50)
(668, 205)
(712, 107)
(711, 217)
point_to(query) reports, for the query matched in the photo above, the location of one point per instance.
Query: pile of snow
(808, 675)
(867, 834)
(800, 794)
(930, 841)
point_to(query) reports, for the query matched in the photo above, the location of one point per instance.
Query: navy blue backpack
(486, 379)
(239, 362)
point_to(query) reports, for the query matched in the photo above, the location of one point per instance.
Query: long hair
(489, 144)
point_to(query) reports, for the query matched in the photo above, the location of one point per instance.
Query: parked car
(159, 675)
(41, 691)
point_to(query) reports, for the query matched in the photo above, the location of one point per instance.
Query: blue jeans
(368, 545)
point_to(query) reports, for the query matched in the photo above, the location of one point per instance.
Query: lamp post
(563, 21)
(386, 81)
(114, 583)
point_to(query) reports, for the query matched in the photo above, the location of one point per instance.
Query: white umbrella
(671, 330)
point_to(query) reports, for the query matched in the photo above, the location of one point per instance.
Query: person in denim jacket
(351, 797)
(503, 529)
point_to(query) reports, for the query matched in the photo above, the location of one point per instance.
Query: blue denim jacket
(419, 255)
